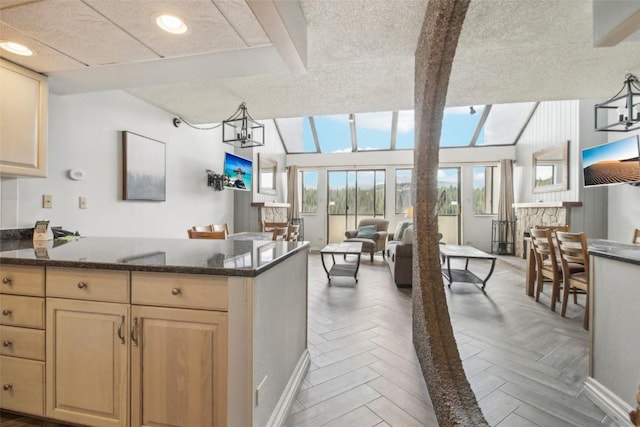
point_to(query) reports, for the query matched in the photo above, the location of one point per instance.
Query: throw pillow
(367, 231)
(400, 228)
(397, 231)
(407, 236)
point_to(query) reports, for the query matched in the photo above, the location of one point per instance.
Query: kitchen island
(614, 367)
(130, 331)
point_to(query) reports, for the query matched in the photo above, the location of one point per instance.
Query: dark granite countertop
(195, 256)
(624, 252)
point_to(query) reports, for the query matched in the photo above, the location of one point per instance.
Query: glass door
(353, 196)
(449, 205)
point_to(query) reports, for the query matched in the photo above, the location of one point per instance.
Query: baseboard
(283, 407)
(609, 402)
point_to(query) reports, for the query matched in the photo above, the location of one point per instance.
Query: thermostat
(76, 174)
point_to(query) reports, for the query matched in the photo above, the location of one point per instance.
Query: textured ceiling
(356, 55)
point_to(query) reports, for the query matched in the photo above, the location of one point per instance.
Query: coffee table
(344, 249)
(464, 275)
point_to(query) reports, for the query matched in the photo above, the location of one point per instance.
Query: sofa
(372, 233)
(399, 256)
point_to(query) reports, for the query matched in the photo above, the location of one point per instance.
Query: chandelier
(241, 130)
(625, 104)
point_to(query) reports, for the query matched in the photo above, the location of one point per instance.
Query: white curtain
(292, 192)
(505, 202)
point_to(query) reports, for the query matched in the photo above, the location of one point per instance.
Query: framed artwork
(144, 168)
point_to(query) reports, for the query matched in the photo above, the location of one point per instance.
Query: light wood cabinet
(93, 285)
(174, 357)
(22, 385)
(22, 280)
(23, 121)
(180, 290)
(22, 342)
(178, 367)
(87, 362)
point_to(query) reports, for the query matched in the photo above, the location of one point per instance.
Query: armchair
(372, 233)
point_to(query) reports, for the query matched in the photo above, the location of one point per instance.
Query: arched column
(451, 394)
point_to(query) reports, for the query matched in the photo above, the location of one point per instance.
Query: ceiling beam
(614, 21)
(285, 25)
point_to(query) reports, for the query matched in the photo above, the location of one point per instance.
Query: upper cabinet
(23, 121)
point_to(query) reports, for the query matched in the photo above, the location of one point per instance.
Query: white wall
(84, 133)
(552, 123)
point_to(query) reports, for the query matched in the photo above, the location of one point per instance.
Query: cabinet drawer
(95, 285)
(179, 290)
(23, 380)
(22, 311)
(22, 280)
(22, 342)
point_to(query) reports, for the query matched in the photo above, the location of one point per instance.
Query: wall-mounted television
(238, 172)
(612, 163)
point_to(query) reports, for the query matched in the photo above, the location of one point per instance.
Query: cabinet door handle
(120, 333)
(7, 386)
(134, 332)
(7, 281)
(7, 343)
(176, 291)
(6, 312)
(82, 285)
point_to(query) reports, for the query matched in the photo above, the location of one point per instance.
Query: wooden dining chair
(269, 226)
(280, 233)
(202, 228)
(636, 236)
(220, 227)
(220, 235)
(546, 263)
(573, 250)
(293, 232)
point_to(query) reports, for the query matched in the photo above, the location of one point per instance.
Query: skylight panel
(334, 133)
(505, 122)
(459, 126)
(296, 135)
(406, 132)
(373, 131)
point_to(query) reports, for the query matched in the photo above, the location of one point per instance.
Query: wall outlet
(47, 201)
(82, 202)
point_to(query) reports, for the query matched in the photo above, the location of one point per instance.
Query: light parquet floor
(525, 363)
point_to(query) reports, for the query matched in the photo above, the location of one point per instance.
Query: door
(352, 196)
(87, 362)
(449, 205)
(178, 367)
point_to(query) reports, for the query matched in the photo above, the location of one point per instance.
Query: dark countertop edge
(605, 254)
(212, 271)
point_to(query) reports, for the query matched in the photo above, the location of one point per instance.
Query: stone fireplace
(272, 212)
(529, 215)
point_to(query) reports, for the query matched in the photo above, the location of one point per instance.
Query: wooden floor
(525, 363)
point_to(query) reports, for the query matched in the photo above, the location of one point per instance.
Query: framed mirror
(267, 173)
(550, 169)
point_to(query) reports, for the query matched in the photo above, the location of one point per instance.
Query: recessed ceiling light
(16, 48)
(171, 24)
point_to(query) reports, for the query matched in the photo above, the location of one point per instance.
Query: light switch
(82, 202)
(47, 201)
